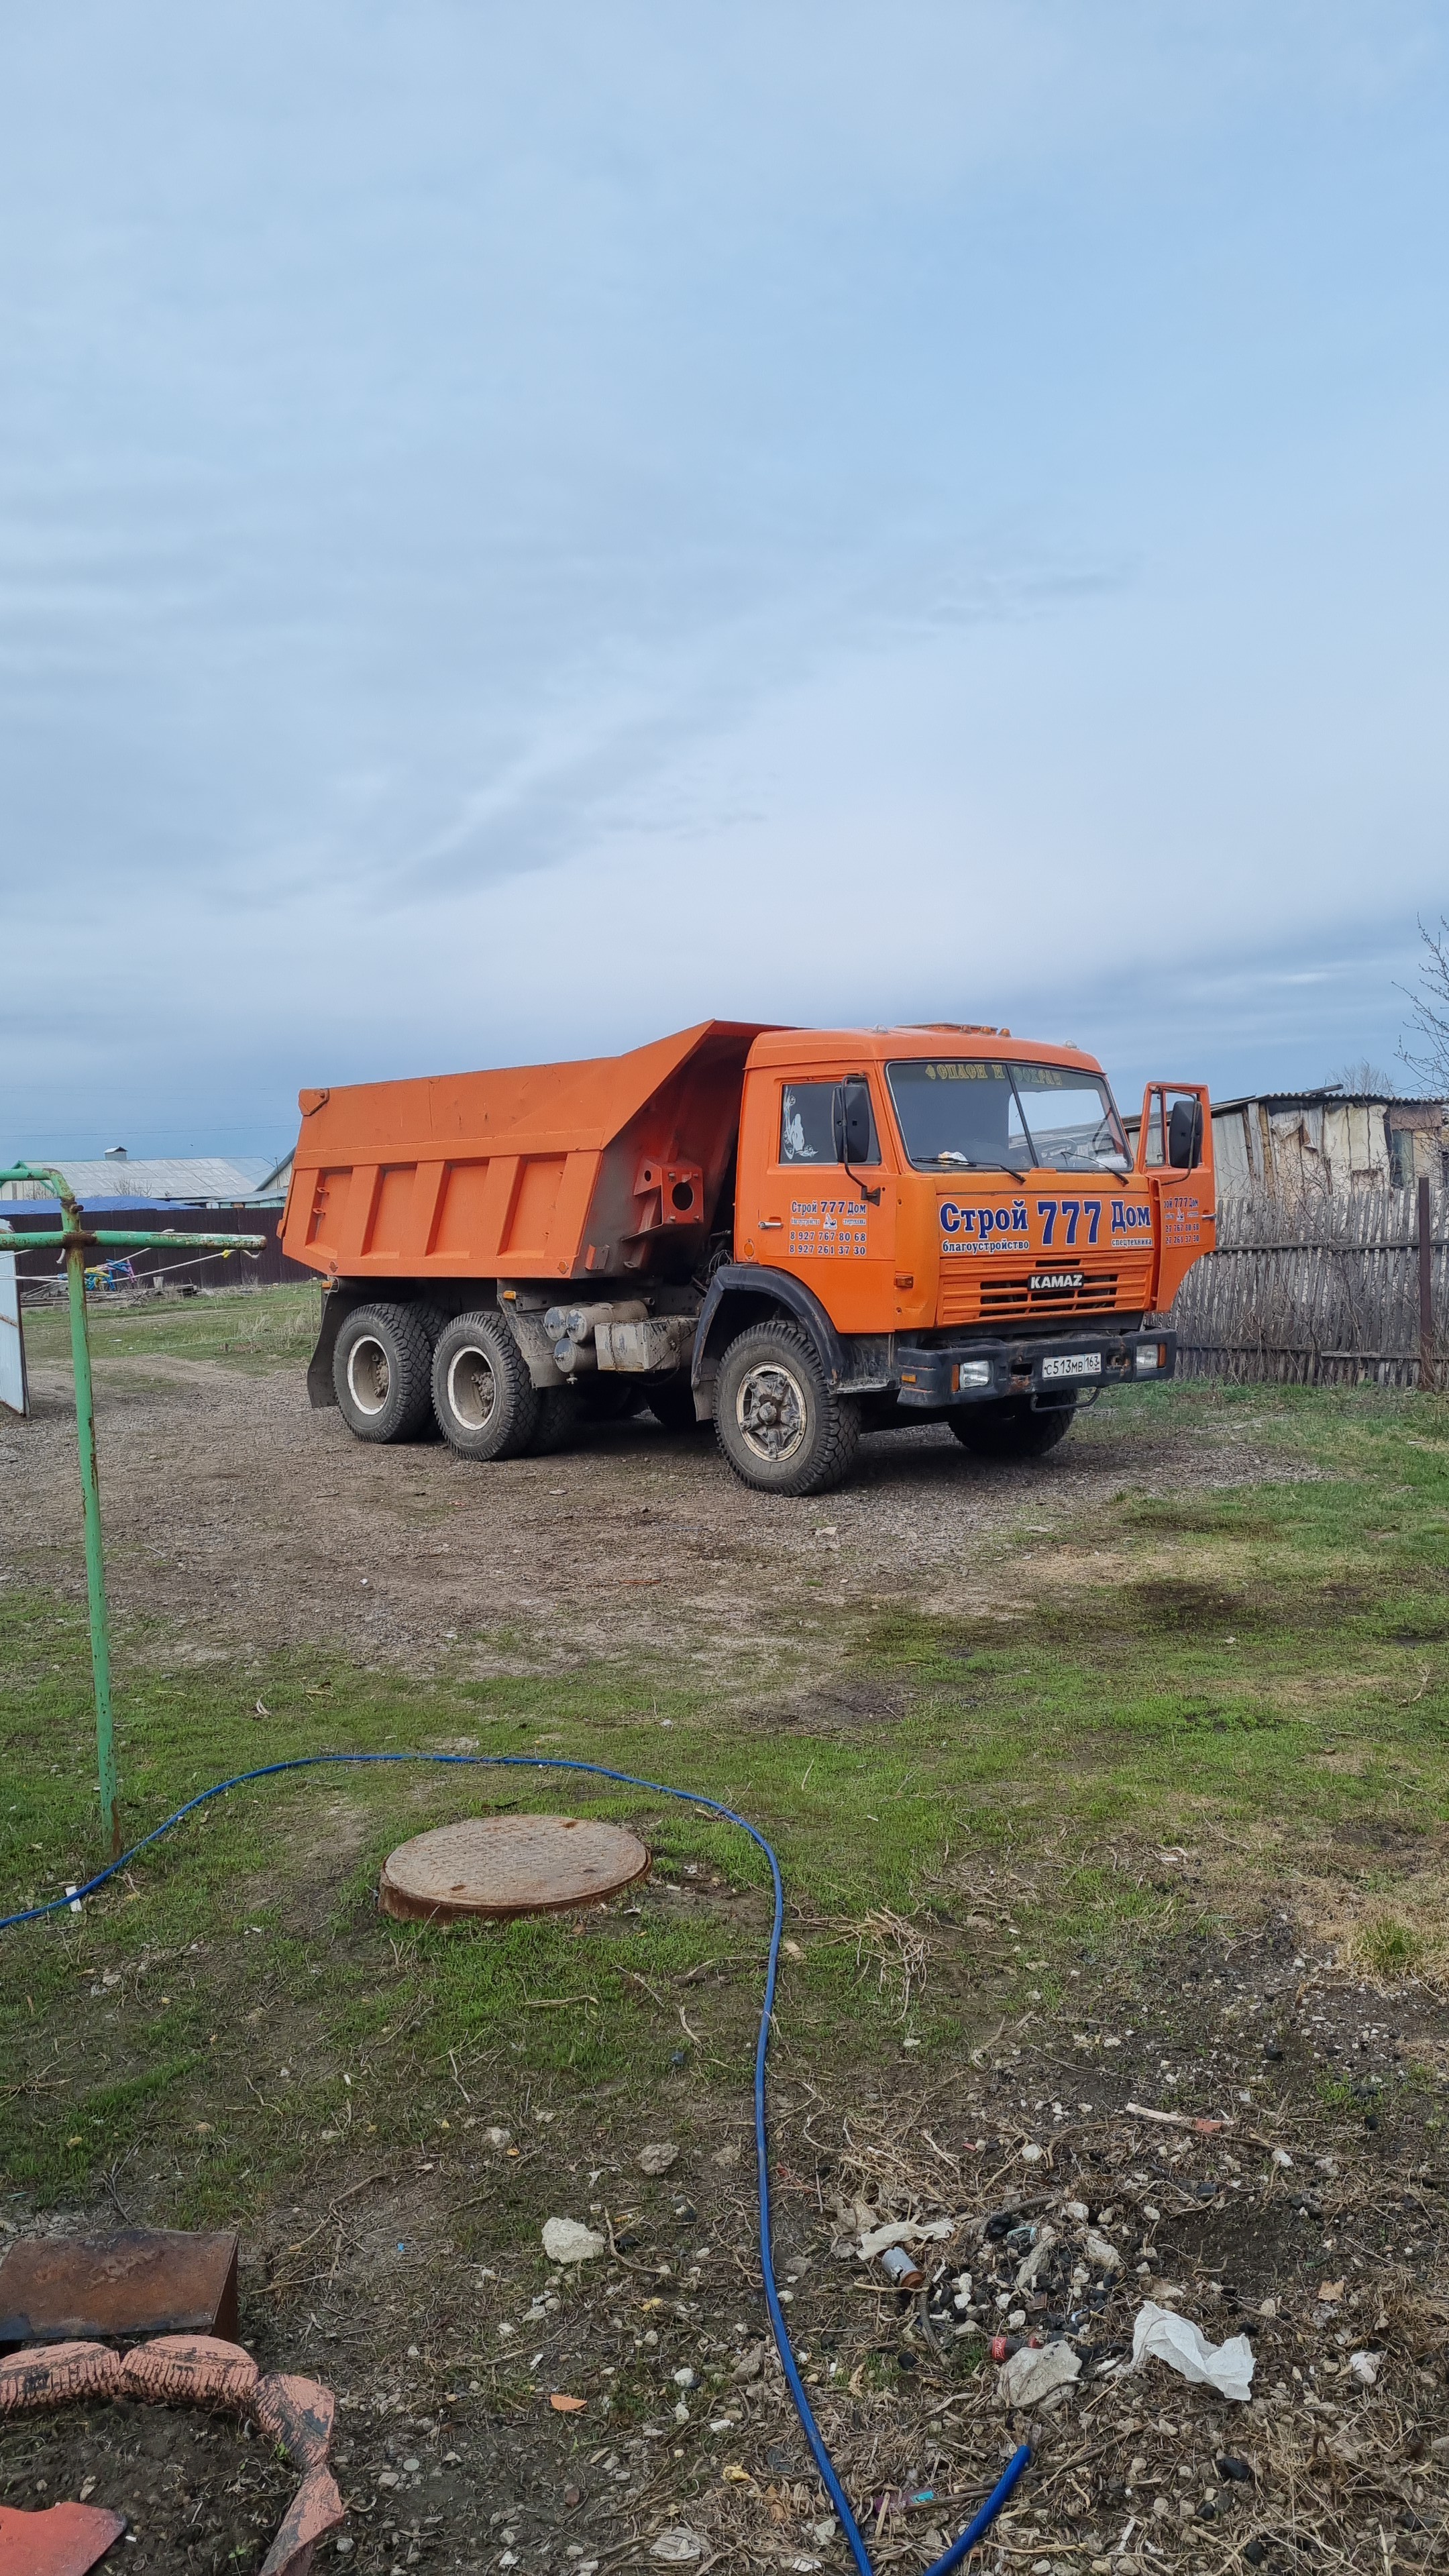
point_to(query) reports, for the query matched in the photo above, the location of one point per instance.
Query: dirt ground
(407, 2270)
(242, 1518)
(418, 2289)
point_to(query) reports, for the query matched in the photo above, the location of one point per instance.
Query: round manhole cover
(501, 1865)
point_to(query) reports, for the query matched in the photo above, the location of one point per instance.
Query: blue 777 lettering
(1071, 1212)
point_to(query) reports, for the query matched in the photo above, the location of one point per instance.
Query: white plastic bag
(1158, 2334)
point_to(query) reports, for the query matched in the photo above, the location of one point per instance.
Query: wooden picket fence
(1320, 1291)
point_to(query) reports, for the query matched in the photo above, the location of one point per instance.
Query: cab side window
(807, 1124)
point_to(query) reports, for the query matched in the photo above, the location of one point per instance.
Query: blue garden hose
(976, 2530)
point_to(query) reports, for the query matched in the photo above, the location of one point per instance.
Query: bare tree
(1428, 1056)
(1363, 1080)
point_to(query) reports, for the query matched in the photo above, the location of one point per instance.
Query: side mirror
(850, 1122)
(1184, 1135)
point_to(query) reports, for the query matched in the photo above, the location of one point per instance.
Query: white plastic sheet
(1158, 2334)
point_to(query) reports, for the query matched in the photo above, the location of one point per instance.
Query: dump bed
(557, 1171)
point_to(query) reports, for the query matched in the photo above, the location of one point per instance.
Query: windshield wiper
(966, 1163)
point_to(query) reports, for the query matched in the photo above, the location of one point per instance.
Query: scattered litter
(1364, 2368)
(901, 2268)
(1282, 2160)
(1046, 2238)
(658, 2158)
(499, 2137)
(1100, 2250)
(1158, 2335)
(1241, 2471)
(568, 2405)
(678, 2547)
(902, 2232)
(1037, 2372)
(565, 2241)
(1183, 2119)
(1076, 2210)
(1031, 2155)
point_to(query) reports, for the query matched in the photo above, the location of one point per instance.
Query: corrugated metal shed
(186, 1179)
(1282, 1143)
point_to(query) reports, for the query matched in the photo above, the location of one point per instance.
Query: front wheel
(782, 1428)
(483, 1396)
(1011, 1429)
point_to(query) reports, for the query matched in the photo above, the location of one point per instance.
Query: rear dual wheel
(381, 1367)
(486, 1403)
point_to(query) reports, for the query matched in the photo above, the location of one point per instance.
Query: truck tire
(1011, 1429)
(673, 1408)
(486, 1403)
(781, 1427)
(381, 1363)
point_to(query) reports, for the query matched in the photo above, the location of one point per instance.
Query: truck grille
(1008, 1299)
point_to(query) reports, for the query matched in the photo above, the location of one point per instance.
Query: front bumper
(1053, 1371)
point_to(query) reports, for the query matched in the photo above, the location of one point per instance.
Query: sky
(521, 530)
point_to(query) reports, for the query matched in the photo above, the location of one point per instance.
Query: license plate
(1073, 1364)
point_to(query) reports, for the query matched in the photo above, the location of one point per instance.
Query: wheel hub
(770, 1410)
(367, 1375)
(472, 1389)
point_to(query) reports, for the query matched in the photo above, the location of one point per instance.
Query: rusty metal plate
(496, 1866)
(140, 2281)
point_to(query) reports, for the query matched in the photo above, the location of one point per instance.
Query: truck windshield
(980, 1113)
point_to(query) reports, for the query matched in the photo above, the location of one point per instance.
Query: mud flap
(336, 1307)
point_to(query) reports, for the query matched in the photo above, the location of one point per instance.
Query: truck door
(1175, 1158)
(824, 1193)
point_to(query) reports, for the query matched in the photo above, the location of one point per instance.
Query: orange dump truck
(796, 1234)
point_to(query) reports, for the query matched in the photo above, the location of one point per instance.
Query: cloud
(514, 532)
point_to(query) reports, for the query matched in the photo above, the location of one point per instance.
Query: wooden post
(1428, 1375)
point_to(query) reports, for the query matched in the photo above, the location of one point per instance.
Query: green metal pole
(73, 1241)
(85, 1424)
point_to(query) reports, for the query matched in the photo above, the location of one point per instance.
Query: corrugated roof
(185, 1178)
(1323, 1097)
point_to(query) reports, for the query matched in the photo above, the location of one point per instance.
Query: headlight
(1150, 1358)
(974, 1373)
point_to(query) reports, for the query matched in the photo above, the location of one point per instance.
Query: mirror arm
(868, 1198)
